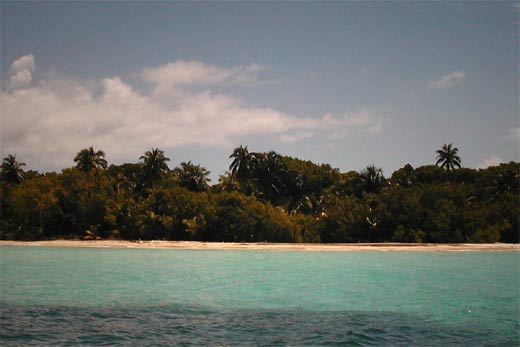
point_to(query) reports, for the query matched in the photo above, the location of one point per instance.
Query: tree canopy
(448, 158)
(88, 159)
(11, 170)
(264, 197)
(154, 166)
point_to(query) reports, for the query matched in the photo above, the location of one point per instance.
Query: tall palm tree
(193, 177)
(372, 179)
(11, 170)
(241, 165)
(267, 172)
(448, 158)
(88, 159)
(154, 164)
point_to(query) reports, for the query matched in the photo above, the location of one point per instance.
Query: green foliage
(305, 184)
(88, 159)
(372, 179)
(35, 208)
(448, 158)
(129, 176)
(264, 197)
(241, 165)
(267, 172)
(258, 174)
(429, 174)
(227, 183)
(11, 171)
(345, 220)
(193, 177)
(404, 177)
(154, 167)
(315, 179)
(241, 218)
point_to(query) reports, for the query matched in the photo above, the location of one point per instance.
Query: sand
(193, 245)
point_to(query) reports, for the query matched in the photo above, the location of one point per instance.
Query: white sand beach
(195, 245)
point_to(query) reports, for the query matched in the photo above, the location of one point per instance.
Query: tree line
(264, 196)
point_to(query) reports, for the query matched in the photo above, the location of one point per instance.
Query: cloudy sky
(345, 83)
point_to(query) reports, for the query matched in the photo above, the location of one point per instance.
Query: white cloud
(192, 72)
(50, 121)
(20, 79)
(21, 72)
(363, 120)
(24, 63)
(449, 80)
(491, 161)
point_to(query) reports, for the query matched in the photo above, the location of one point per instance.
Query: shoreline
(201, 245)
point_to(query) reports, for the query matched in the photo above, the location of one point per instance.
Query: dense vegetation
(264, 197)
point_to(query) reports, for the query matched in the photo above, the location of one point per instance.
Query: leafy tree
(349, 183)
(503, 179)
(240, 218)
(36, 207)
(173, 212)
(372, 179)
(305, 182)
(88, 159)
(277, 199)
(154, 166)
(193, 177)
(128, 176)
(298, 200)
(404, 177)
(11, 170)
(226, 183)
(242, 163)
(267, 174)
(345, 220)
(429, 174)
(448, 158)
(90, 199)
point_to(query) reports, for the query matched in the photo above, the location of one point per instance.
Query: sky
(350, 84)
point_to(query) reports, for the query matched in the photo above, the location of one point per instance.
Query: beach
(197, 245)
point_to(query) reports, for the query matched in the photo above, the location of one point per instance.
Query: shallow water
(71, 296)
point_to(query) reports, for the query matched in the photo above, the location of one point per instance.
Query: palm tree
(267, 172)
(193, 177)
(88, 159)
(241, 165)
(154, 165)
(372, 179)
(448, 158)
(11, 170)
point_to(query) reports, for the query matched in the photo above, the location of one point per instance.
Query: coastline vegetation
(263, 197)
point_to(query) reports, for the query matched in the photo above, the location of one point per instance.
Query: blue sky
(345, 83)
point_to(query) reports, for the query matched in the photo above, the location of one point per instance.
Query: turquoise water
(70, 296)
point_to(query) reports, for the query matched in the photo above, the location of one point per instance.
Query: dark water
(132, 297)
(64, 326)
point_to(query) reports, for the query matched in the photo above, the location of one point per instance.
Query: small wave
(165, 326)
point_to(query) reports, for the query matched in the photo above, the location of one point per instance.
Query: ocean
(142, 297)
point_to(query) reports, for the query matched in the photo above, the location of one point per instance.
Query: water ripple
(168, 325)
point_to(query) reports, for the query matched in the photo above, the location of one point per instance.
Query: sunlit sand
(194, 245)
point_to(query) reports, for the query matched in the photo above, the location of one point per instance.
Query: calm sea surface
(134, 297)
